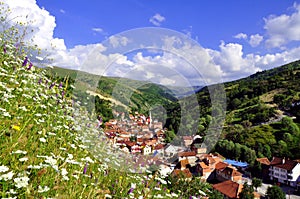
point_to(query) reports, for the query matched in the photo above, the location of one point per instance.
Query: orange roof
(264, 161)
(221, 165)
(187, 153)
(231, 171)
(219, 156)
(203, 165)
(229, 188)
(183, 163)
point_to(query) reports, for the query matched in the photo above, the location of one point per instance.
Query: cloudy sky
(168, 41)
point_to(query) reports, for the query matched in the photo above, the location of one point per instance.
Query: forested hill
(263, 113)
(115, 93)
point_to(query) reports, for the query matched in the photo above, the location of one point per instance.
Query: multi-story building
(284, 171)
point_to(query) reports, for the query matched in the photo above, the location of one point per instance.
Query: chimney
(283, 160)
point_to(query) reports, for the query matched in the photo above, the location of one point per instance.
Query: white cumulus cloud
(255, 40)
(241, 36)
(157, 19)
(98, 30)
(283, 28)
(38, 19)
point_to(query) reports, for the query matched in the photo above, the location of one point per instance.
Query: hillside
(256, 106)
(116, 93)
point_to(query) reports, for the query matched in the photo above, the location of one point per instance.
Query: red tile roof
(276, 161)
(231, 172)
(288, 165)
(187, 153)
(229, 188)
(159, 146)
(221, 165)
(129, 143)
(264, 161)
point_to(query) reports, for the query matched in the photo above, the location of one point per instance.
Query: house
(190, 155)
(158, 149)
(158, 125)
(229, 173)
(229, 189)
(197, 145)
(265, 166)
(284, 171)
(133, 147)
(171, 150)
(147, 150)
(187, 140)
(204, 170)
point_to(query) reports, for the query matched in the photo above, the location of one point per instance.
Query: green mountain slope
(256, 106)
(116, 93)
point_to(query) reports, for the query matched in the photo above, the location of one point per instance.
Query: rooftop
(229, 188)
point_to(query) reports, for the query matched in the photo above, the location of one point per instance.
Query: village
(140, 135)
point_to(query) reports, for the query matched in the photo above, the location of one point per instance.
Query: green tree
(275, 192)
(286, 122)
(256, 182)
(247, 192)
(215, 195)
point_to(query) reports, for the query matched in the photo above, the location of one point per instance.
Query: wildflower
(21, 182)
(42, 190)
(34, 167)
(24, 159)
(6, 114)
(133, 186)
(25, 61)
(107, 196)
(3, 169)
(40, 81)
(64, 172)
(85, 168)
(7, 176)
(43, 140)
(52, 85)
(29, 67)
(51, 161)
(11, 191)
(130, 190)
(87, 159)
(19, 152)
(17, 128)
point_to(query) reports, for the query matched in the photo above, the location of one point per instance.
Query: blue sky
(239, 37)
(208, 22)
